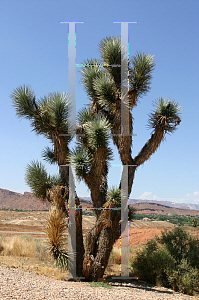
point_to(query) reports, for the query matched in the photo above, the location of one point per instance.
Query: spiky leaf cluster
(47, 115)
(85, 115)
(94, 137)
(54, 110)
(24, 102)
(80, 159)
(90, 72)
(114, 196)
(165, 115)
(110, 50)
(131, 213)
(105, 90)
(48, 155)
(103, 81)
(97, 132)
(64, 260)
(38, 180)
(112, 54)
(140, 73)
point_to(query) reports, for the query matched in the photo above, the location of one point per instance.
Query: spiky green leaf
(48, 155)
(111, 52)
(114, 195)
(38, 180)
(90, 72)
(98, 133)
(105, 90)
(140, 73)
(80, 159)
(85, 115)
(165, 115)
(24, 102)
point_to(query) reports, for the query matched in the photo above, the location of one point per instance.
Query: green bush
(172, 261)
(151, 264)
(181, 246)
(184, 278)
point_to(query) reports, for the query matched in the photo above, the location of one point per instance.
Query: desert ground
(23, 232)
(33, 222)
(13, 224)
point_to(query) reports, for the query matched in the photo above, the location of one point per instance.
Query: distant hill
(26, 201)
(165, 203)
(159, 209)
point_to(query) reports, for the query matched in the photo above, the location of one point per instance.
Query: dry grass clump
(29, 254)
(1, 243)
(115, 256)
(113, 267)
(23, 246)
(18, 246)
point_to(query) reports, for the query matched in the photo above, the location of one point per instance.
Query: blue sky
(34, 51)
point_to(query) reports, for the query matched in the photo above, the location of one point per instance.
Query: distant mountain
(26, 201)
(149, 208)
(86, 198)
(165, 203)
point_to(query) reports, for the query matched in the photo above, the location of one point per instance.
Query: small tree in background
(92, 154)
(194, 221)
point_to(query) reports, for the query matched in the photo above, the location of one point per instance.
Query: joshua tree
(92, 154)
(194, 221)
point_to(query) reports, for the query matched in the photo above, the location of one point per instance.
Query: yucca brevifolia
(92, 154)
(49, 117)
(102, 84)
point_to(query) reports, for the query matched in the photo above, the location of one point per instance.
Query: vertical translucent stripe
(71, 227)
(72, 71)
(72, 120)
(124, 223)
(124, 80)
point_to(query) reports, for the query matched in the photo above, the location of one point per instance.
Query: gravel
(18, 284)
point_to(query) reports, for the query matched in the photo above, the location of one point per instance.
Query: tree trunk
(79, 240)
(100, 240)
(106, 240)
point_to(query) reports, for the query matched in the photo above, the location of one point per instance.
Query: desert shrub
(1, 243)
(193, 254)
(27, 237)
(152, 262)
(40, 251)
(181, 246)
(184, 278)
(173, 262)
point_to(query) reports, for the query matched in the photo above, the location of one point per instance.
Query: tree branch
(150, 147)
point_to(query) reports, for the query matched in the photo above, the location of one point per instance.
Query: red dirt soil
(137, 236)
